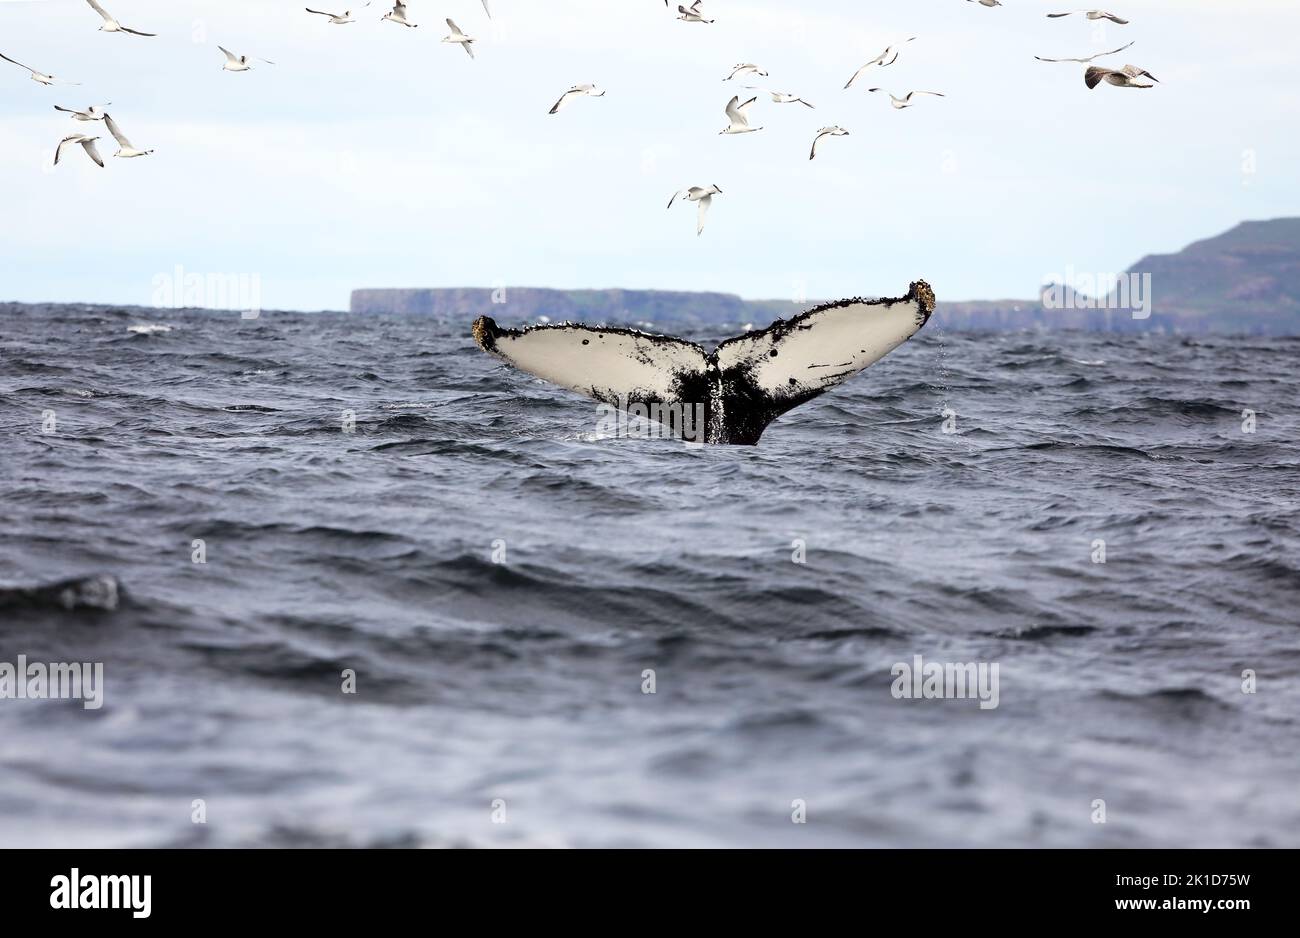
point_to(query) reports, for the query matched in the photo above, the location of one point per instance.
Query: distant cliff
(1246, 280)
(529, 304)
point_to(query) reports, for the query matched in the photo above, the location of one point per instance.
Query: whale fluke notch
(744, 384)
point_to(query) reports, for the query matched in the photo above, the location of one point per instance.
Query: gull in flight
(1092, 15)
(93, 113)
(39, 77)
(1088, 58)
(1125, 77)
(111, 25)
(126, 151)
(87, 144)
(888, 57)
(338, 19)
(745, 68)
(905, 100)
(459, 37)
(398, 15)
(739, 119)
(593, 91)
(780, 97)
(692, 14)
(701, 195)
(239, 63)
(826, 132)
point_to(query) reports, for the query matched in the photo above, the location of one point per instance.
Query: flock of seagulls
(233, 63)
(737, 111)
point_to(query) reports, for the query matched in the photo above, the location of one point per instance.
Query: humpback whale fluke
(743, 385)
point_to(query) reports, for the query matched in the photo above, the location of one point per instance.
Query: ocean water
(499, 577)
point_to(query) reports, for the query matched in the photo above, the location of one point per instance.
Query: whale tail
(742, 386)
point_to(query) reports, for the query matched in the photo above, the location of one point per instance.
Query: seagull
(1087, 59)
(745, 68)
(39, 77)
(127, 151)
(1092, 15)
(239, 63)
(593, 91)
(398, 15)
(111, 25)
(338, 19)
(890, 54)
(1123, 78)
(780, 97)
(692, 14)
(826, 132)
(87, 144)
(458, 36)
(700, 195)
(906, 100)
(93, 113)
(739, 119)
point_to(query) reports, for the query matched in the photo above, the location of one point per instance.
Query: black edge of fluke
(486, 332)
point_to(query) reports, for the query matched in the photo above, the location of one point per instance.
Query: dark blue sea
(498, 577)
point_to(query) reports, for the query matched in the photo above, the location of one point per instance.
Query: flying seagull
(826, 132)
(39, 77)
(1092, 15)
(458, 37)
(126, 151)
(1125, 77)
(739, 119)
(593, 91)
(111, 25)
(87, 144)
(1088, 59)
(93, 113)
(337, 19)
(398, 15)
(780, 97)
(701, 195)
(742, 386)
(239, 63)
(692, 14)
(905, 100)
(888, 57)
(745, 68)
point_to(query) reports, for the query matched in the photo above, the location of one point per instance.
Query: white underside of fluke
(745, 383)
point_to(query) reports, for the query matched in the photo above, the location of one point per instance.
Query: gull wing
(89, 146)
(117, 132)
(101, 11)
(230, 56)
(1089, 58)
(608, 364)
(792, 361)
(19, 64)
(705, 203)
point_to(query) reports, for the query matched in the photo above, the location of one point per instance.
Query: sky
(372, 155)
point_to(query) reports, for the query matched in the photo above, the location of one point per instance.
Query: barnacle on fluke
(742, 385)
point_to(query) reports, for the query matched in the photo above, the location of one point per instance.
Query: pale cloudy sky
(372, 155)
